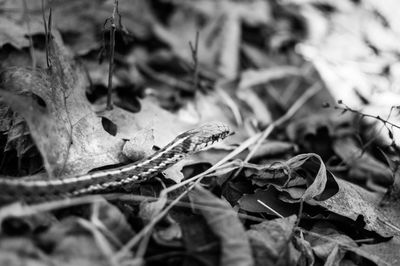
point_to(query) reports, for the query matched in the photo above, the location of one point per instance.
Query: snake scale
(183, 145)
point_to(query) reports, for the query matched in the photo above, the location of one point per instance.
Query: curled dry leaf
(318, 182)
(334, 134)
(304, 169)
(224, 222)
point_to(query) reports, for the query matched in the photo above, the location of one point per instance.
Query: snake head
(198, 139)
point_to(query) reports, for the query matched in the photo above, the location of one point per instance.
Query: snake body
(183, 145)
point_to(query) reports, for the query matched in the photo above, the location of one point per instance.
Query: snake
(185, 144)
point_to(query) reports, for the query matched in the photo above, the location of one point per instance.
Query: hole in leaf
(39, 100)
(109, 126)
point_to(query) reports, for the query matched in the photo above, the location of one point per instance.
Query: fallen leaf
(21, 251)
(110, 218)
(387, 251)
(67, 132)
(198, 240)
(14, 33)
(362, 166)
(353, 201)
(270, 197)
(149, 210)
(164, 126)
(226, 225)
(335, 248)
(271, 242)
(300, 170)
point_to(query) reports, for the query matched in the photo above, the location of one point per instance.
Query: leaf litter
(297, 184)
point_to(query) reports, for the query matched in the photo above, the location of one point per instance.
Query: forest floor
(310, 176)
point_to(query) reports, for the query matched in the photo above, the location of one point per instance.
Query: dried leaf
(16, 251)
(75, 241)
(14, 33)
(225, 224)
(335, 248)
(352, 201)
(269, 197)
(67, 132)
(362, 166)
(149, 210)
(270, 241)
(113, 220)
(304, 169)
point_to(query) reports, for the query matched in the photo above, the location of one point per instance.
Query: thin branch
(269, 208)
(111, 58)
(47, 34)
(377, 117)
(28, 26)
(195, 49)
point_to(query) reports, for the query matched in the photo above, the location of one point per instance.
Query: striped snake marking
(183, 145)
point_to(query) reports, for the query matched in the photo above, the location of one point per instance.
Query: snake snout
(209, 134)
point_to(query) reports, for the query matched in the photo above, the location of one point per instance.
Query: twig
(377, 117)
(47, 31)
(28, 25)
(111, 58)
(195, 49)
(386, 124)
(269, 208)
(300, 213)
(100, 239)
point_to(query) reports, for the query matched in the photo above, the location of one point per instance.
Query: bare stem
(47, 34)
(195, 49)
(28, 25)
(377, 117)
(111, 59)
